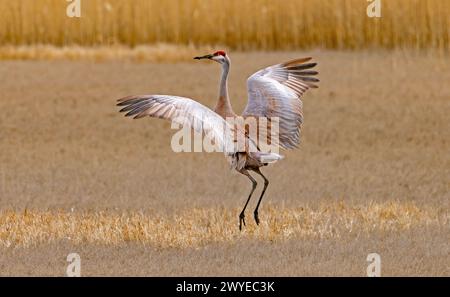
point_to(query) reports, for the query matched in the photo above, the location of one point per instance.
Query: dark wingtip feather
(130, 100)
(309, 79)
(133, 112)
(127, 108)
(140, 115)
(124, 99)
(296, 62)
(308, 72)
(302, 66)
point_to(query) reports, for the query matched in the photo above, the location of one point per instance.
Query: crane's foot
(241, 220)
(256, 217)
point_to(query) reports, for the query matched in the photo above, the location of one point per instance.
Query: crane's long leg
(266, 183)
(254, 183)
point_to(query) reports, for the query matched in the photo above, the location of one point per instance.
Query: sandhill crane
(275, 91)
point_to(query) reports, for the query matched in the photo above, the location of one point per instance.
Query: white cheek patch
(218, 58)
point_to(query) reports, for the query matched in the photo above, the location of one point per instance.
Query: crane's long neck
(223, 106)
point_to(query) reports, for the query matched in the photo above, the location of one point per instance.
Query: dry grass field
(239, 24)
(371, 175)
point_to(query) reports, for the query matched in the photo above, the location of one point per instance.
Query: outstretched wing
(276, 91)
(183, 111)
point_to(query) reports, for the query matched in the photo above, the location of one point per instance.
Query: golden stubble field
(371, 175)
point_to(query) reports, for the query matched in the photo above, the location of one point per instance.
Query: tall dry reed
(238, 24)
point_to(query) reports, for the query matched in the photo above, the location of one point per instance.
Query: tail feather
(268, 157)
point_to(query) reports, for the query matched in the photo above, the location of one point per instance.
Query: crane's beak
(203, 57)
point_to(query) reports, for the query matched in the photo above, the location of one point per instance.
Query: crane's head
(219, 56)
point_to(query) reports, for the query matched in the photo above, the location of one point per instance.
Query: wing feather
(183, 111)
(276, 91)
